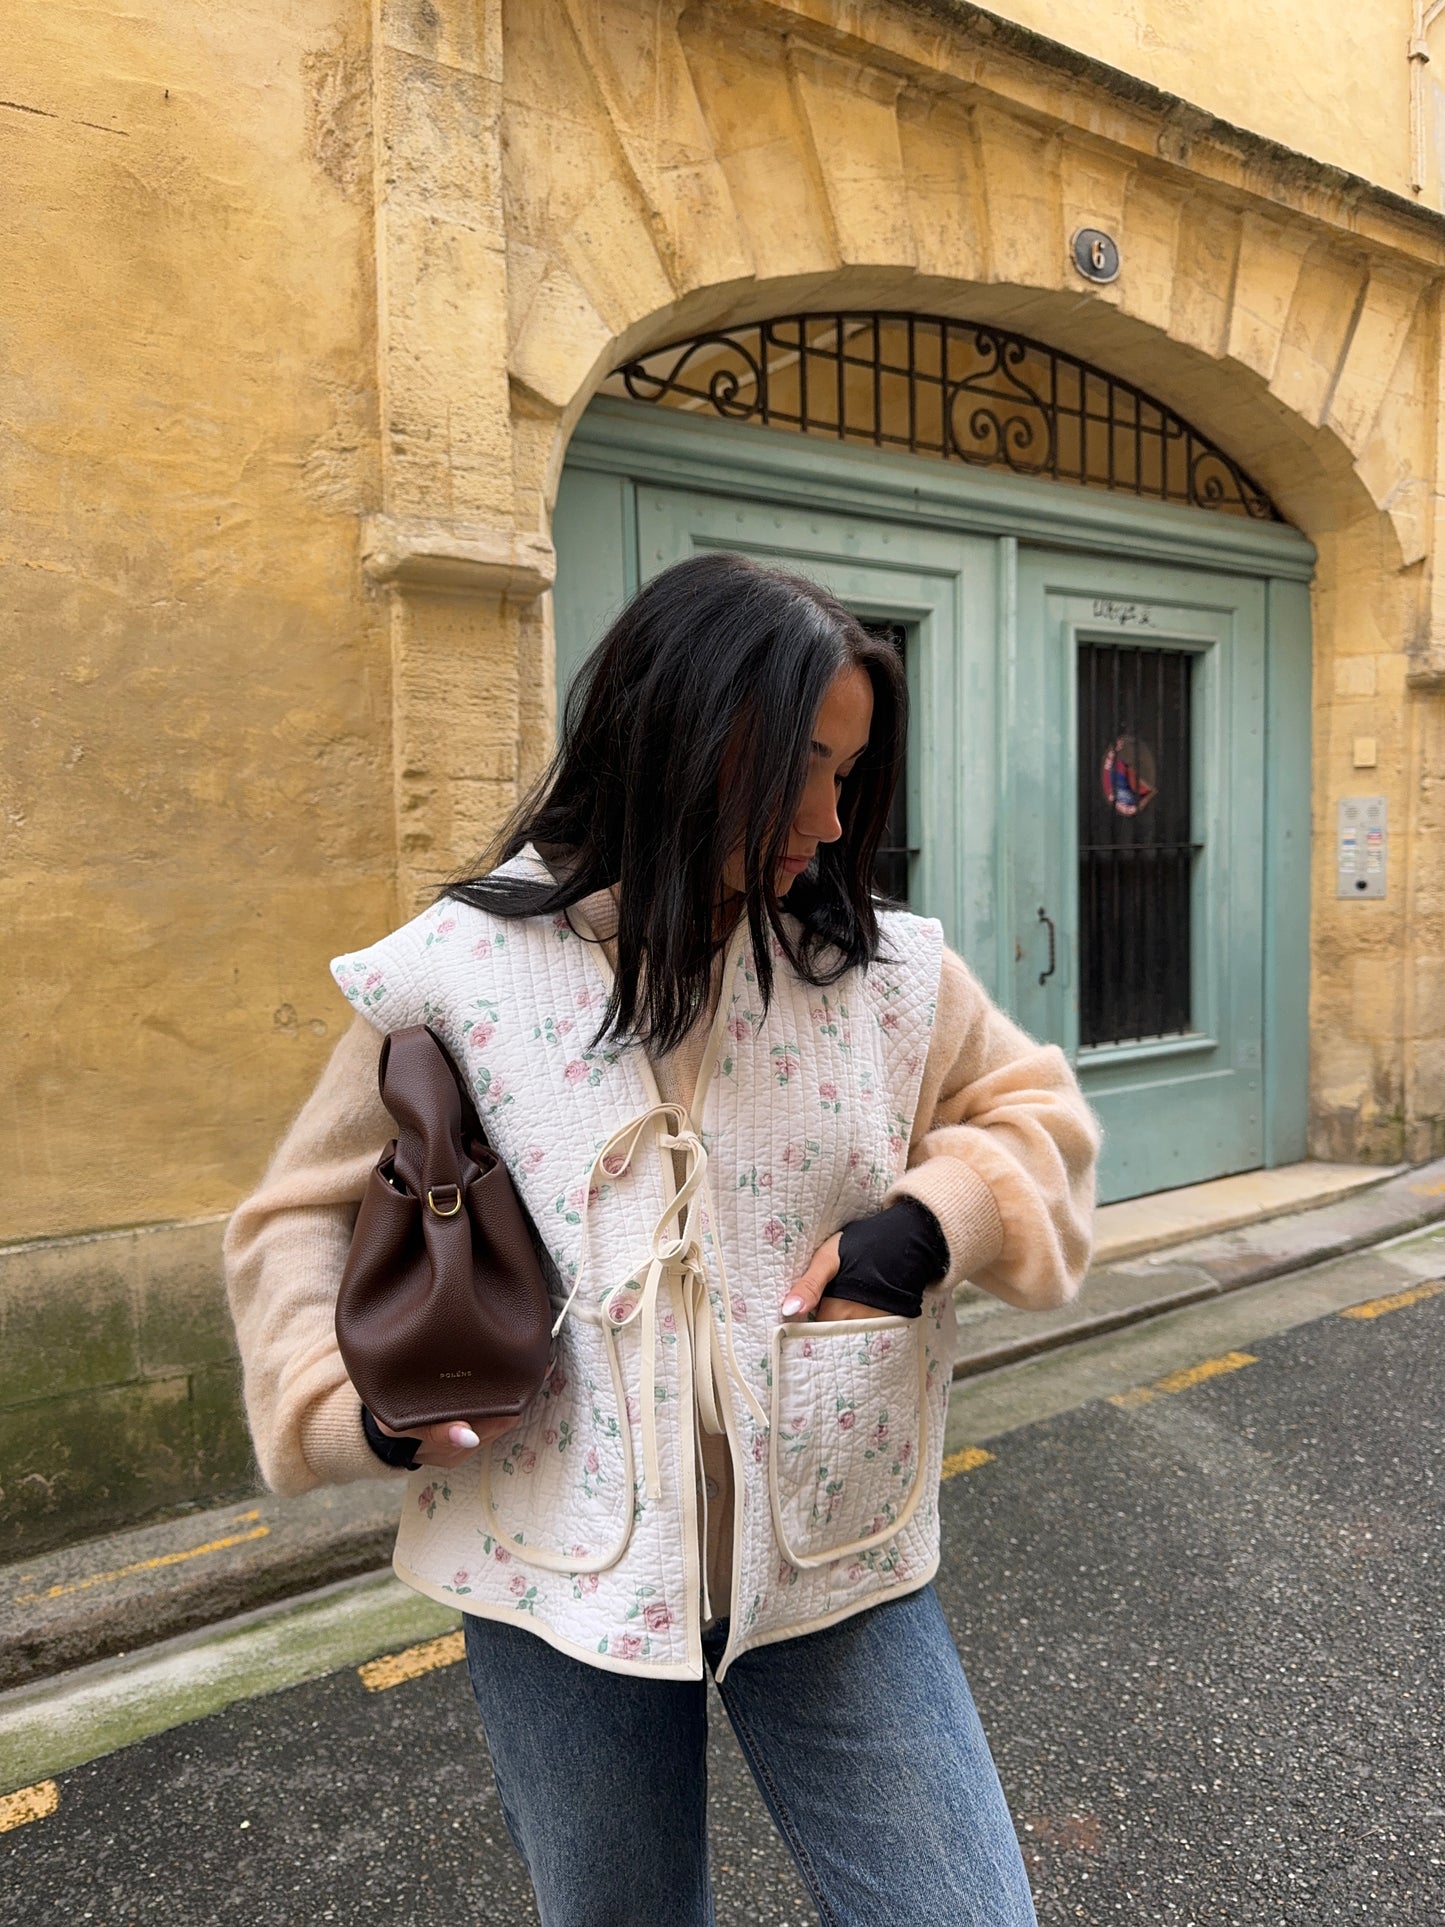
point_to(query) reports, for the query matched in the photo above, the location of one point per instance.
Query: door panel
(594, 527)
(895, 861)
(1138, 834)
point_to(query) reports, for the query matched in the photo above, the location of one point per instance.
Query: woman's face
(840, 735)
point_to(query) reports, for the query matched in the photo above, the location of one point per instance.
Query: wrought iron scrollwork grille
(958, 391)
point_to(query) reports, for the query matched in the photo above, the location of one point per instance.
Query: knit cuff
(964, 1206)
(334, 1445)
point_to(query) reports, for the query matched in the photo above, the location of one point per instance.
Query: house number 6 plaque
(1096, 255)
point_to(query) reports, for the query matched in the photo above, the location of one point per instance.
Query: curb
(55, 1724)
(131, 1589)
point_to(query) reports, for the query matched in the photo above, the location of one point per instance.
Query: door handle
(1045, 918)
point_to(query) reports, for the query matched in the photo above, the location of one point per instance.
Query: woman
(763, 1129)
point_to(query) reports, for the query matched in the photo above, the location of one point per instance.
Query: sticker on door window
(1128, 775)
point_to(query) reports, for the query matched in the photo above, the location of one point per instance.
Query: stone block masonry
(120, 1396)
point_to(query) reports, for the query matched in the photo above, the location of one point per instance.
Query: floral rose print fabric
(847, 1413)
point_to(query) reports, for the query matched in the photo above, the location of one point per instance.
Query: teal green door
(1107, 783)
(1137, 807)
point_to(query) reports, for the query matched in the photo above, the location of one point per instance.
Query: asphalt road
(1205, 1630)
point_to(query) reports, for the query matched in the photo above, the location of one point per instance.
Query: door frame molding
(735, 458)
(671, 448)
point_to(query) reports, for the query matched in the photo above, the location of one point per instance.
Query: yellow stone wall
(194, 749)
(301, 305)
(1329, 79)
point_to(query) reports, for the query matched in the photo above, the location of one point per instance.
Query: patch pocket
(849, 1435)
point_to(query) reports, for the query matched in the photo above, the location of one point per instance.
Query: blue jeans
(863, 1740)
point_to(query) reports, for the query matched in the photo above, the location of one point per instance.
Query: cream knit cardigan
(1003, 1151)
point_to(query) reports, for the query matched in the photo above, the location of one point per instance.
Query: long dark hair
(686, 734)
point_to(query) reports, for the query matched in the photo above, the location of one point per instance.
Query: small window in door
(895, 854)
(1136, 847)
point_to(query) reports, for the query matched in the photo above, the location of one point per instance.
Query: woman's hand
(805, 1294)
(445, 1446)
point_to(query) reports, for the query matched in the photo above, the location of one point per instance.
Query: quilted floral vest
(674, 1238)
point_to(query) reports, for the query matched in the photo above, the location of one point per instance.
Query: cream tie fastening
(636, 1294)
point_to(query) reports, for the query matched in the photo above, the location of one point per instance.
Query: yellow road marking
(968, 1460)
(1435, 1190)
(143, 1565)
(30, 1803)
(392, 1668)
(1397, 1300)
(1182, 1380)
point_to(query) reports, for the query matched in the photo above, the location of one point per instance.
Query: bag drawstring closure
(679, 1240)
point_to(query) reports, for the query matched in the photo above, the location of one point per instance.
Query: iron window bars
(895, 854)
(1137, 847)
(954, 390)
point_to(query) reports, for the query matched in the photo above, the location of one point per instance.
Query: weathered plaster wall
(120, 1394)
(1365, 1039)
(194, 753)
(1329, 79)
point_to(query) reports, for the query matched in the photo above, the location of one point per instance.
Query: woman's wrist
(394, 1452)
(888, 1261)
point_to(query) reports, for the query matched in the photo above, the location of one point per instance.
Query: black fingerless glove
(889, 1260)
(390, 1451)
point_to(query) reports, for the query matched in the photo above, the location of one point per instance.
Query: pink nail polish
(792, 1306)
(463, 1435)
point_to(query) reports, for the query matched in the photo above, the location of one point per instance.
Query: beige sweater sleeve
(1003, 1152)
(285, 1249)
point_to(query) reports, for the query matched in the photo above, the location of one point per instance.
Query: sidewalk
(113, 1595)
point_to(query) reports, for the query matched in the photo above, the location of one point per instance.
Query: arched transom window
(957, 391)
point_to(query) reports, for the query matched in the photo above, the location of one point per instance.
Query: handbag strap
(472, 1128)
(422, 1089)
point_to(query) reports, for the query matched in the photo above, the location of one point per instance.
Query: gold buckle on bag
(433, 1206)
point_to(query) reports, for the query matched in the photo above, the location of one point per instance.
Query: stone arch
(1307, 466)
(565, 187)
(1306, 469)
(801, 174)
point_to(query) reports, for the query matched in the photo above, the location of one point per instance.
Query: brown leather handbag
(443, 1311)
